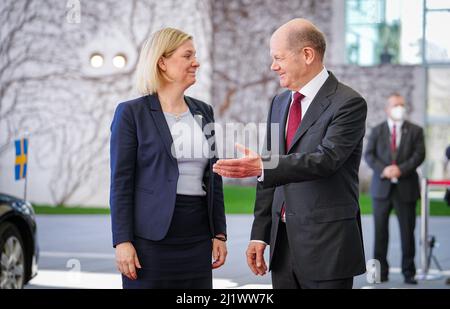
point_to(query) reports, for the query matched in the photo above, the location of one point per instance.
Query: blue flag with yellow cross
(21, 158)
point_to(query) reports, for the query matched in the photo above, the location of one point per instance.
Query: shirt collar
(311, 89)
(391, 123)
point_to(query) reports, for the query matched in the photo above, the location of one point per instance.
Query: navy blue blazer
(144, 173)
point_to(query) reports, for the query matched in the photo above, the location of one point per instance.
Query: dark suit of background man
(395, 149)
(307, 207)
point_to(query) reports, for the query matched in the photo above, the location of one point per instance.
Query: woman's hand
(127, 260)
(219, 252)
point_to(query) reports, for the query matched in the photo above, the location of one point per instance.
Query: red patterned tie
(394, 142)
(295, 118)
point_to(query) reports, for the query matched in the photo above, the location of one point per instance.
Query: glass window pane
(438, 4)
(438, 129)
(361, 44)
(384, 31)
(364, 11)
(411, 16)
(437, 140)
(438, 40)
(438, 94)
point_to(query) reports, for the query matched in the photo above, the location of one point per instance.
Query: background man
(395, 149)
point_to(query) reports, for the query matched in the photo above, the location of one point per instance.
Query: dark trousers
(406, 214)
(285, 275)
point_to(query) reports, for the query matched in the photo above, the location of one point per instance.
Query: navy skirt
(182, 260)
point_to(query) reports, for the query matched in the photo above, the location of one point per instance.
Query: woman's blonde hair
(163, 43)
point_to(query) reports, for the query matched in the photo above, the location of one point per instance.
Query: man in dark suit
(307, 205)
(395, 149)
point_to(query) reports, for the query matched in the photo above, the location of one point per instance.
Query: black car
(18, 242)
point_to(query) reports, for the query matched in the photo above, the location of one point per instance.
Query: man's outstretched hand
(248, 166)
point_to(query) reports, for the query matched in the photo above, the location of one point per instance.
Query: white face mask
(398, 113)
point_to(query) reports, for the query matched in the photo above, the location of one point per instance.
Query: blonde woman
(167, 211)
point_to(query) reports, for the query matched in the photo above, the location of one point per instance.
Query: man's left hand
(248, 166)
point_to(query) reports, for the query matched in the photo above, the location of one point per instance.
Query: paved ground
(76, 252)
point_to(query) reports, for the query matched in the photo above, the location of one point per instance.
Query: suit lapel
(316, 108)
(284, 111)
(386, 138)
(161, 124)
(403, 139)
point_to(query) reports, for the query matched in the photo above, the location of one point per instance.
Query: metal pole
(425, 245)
(26, 136)
(424, 34)
(25, 187)
(424, 229)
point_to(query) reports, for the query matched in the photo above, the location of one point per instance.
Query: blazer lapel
(202, 119)
(161, 124)
(316, 108)
(199, 116)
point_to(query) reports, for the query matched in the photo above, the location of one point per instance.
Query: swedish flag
(21, 158)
